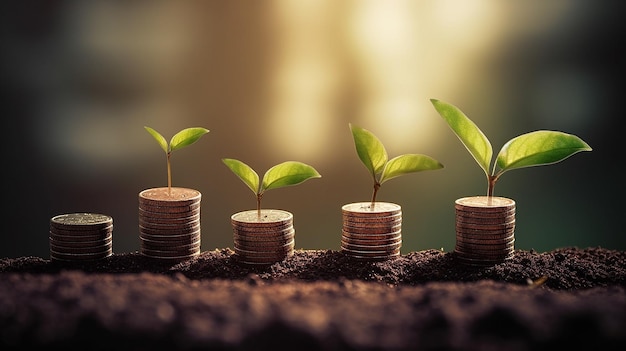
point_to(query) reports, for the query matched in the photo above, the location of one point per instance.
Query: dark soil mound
(317, 300)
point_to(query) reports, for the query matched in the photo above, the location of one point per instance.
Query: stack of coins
(371, 233)
(81, 237)
(263, 240)
(485, 229)
(169, 223)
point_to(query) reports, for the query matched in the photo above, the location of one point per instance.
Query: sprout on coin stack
(485, 225)
(169, 217)
(372, 230)
(266, 236)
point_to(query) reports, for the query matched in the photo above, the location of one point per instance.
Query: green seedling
(372, 153)
(542, 147)
(181, 139)
(283, 174)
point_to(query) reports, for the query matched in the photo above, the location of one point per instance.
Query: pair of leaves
(281, 175)
(542, 147)
(372, 153)
(181, 139)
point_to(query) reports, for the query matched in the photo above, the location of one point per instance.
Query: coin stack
(485, 229)
(371, 233)
(169, 223)
(81, 237)
(263, 240)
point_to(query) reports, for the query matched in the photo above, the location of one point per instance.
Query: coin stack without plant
(373, 234)
(81, 237)
(169, 223)
(484, 230)
(265, 239)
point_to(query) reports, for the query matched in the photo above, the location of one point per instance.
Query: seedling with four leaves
(180, 140)
(542, 147)
(373, 154)
(284, 174)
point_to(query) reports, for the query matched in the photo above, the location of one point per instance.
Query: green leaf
(186, 137)
(538, 148)
(286, 174)
(409, 163)
(370, 149)
(244, 172)
(470, 135)
(158, 137)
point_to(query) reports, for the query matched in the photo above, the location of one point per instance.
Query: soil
(317, 300)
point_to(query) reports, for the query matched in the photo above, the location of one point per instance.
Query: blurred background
(281, 80)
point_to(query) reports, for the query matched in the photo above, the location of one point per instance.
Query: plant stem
(169, 175)
(258, 205)
(492, 184)
(376, 187)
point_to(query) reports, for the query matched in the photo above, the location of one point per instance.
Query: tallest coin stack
(169, 223)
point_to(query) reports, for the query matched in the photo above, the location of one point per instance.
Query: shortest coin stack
(81, 237)
(169, 223)
(484, 230)
(263, 240)
(371, 233)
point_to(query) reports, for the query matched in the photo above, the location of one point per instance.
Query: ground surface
(317, 300)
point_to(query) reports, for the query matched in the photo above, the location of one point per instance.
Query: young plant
(374, 156)
(542, 147)
(283, 174)
(181, 139)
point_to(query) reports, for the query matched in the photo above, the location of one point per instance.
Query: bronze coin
(365, 209)
(372, 230)
(154, 208)
(183, 225)
(373, 242)
(174, 215)
(268, 218)
(170, 220)
(485, 203)
(174, 197)
(359, 236)
(171, 230)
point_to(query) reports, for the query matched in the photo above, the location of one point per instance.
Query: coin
(267, 218)
(263, 238)
(371, 255)
(85, 243)
(80, 236)
(64, 256)
(371, 232)
(169, 223)
(485, 229)
(365, 209)
(485, 203)
(166, 197)
(146, 213)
